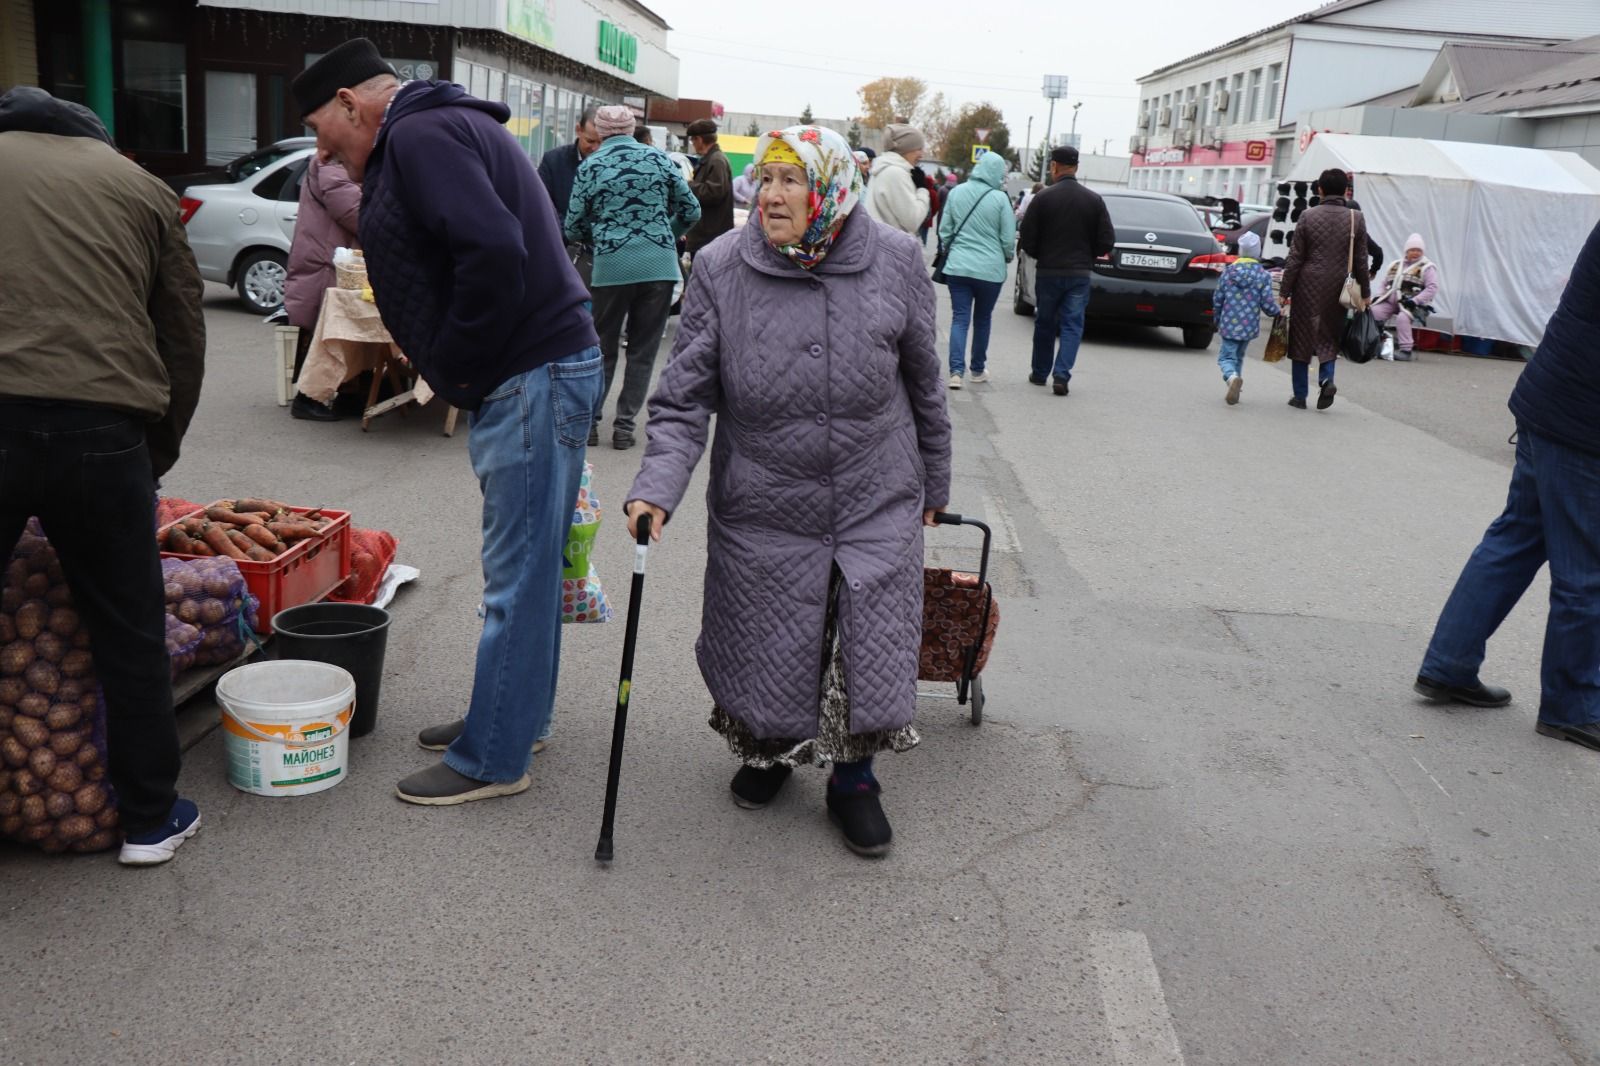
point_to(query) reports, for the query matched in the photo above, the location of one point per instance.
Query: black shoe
(1325, 395)
(1587, 734)
(1298, 401)
(755, 787)
(1036, 381)
(1477, 694)
(1060, 387)
(594, 435)
(860, 818)
(312, 411)
(440, 786)
(622, 441)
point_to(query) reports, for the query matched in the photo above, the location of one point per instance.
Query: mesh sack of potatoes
(53, 788)
(209, 612)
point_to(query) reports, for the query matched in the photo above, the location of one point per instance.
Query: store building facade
(187, 84)
(1223, 122)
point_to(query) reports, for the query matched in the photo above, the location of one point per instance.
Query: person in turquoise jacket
(1242, 296)
(631, 203)
(979, 231)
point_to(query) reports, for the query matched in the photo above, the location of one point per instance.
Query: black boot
(755, 787)
(859, 816)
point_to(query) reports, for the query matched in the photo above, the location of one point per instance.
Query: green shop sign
(618, 48)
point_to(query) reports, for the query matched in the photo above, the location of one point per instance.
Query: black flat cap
(1066, 155)
(345, 67)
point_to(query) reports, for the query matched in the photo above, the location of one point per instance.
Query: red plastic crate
(305, 573)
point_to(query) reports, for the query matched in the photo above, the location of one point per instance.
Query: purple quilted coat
(831, 438)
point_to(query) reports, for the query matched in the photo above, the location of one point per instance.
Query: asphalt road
(1204, 821)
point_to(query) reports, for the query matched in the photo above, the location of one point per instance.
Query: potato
(173, 592)
(5, 779)
(71, 690)
(60, 596)
(14, 752)
(42, 675)
(17, 570)
(34, 705)
(37, 834)
(99, 841)
(31, 618)
(107, 819)
(63, 716)
(7, 715)
(67, 742)
(25, 783)
(33, 811)
(63, 621)
(11, 598)
(74, 827)
(8, 629)
(212, 611)
(42, 761)
(94, 772)
(188, 611)
(54, 572)
(81, 638)
(49, 647)
(193, 584)
(11, 825)
(87, 755)
(30, 731)
(58, 804)
(76, 663)
(12, 689)
(10, 803)
(15, 657)
(66, 777)
(90, 799)
(221, 584)
(37, 585)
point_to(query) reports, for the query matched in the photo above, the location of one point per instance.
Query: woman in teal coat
(979, 229)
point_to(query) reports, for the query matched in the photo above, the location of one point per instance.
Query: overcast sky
(774, 59)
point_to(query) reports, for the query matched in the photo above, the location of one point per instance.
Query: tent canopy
(1503, 224)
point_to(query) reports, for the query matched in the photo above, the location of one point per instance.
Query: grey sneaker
(440, 786)
(979, 377)
(955, 381)
(1235, 386)
(440, 737)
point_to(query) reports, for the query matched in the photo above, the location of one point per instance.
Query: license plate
(1149, 262)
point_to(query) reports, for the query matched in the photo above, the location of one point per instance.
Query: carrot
(290, 531)
(259, 554)
(264, 537)
(193, 526)
(178, 541)
(232, 517)
(270, 507)
(217, 538)
(200, 547)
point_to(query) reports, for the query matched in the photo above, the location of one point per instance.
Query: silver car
(241, 230)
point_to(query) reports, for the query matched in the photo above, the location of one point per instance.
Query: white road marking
(1135, 1007)
(1435, 780)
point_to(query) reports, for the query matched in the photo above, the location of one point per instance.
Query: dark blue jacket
(463, 247)
(1558, 395)
(558, 169)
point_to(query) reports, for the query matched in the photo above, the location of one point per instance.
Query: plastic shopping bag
(1277, 340)
(582, 597)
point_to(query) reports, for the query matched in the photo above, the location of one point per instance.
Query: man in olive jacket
(712, 186)
(102, 349)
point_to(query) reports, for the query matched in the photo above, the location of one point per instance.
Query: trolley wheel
(975, 697)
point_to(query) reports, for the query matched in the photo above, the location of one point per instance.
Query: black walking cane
(602, 851)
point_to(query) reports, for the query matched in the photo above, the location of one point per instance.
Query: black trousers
(86, 474)
(643, 306)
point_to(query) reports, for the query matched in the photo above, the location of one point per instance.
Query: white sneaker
(980, 376)
(955, 381)
(1235, 386)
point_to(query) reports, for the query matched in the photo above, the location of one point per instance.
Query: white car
(241, 230)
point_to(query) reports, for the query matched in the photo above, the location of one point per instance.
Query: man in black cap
(471, 275)
(712, 186)
(1066, 228)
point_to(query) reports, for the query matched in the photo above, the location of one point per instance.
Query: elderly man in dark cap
(471, 275)
(1066, 228)
(712, 185)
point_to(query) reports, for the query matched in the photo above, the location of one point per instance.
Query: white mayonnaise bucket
(286, 726)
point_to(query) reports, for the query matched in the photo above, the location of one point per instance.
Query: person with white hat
(1407, 294)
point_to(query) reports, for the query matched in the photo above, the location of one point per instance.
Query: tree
(754, 130)
(805, 116)
(957, 147)
(854, 135)
(886, 98)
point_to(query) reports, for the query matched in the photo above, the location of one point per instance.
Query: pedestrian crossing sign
(979, 151)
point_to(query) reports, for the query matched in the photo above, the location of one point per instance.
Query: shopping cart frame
(969, 686)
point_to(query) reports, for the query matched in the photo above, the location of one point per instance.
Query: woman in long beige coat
(1321, 257)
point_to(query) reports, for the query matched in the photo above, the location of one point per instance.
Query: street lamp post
(1074, 133)
(1055, 88)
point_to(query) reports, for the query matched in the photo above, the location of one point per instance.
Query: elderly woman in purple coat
(810, 336)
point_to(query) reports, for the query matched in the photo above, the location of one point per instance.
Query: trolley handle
(947, 518)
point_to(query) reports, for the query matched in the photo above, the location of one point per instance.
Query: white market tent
(1503, 224)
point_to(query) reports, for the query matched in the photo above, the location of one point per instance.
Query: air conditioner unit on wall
(1136, 143)
(1166, 117)
(1220, 101)
(1212, 138)
(1189, 112)
(1182, 138)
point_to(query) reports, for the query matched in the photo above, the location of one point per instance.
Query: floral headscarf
(835, 185)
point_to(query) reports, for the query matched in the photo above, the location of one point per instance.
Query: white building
(1222, 122)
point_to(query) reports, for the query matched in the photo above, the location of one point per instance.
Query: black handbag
(944, 251)
(1362, 339)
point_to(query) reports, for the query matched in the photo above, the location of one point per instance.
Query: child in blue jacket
(1243, 294)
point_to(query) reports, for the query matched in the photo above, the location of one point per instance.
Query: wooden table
(350, 339)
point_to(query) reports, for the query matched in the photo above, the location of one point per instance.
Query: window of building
(1203, 105)
(480, 81)
(497, 86)
(230, 115)
(1274, 90)
(152, 106)
(1189, 100)
(1236, 111)
(1253, 107)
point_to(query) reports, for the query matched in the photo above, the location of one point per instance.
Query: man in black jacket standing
(1066, 228)
(712, 186)
(558, 169)
(1552, 514)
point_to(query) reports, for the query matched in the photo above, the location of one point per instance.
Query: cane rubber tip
(602, 851)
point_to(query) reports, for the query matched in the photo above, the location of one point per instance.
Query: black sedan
(1162, 270)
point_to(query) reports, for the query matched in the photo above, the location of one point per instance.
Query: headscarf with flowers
(835, 184)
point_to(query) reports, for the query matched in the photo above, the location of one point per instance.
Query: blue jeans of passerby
(1058, 310)
(527, 443)
(1552, 514)
(971, 305)
(1300, 374)
(1231, 358)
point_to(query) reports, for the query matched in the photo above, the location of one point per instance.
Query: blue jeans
(964, 293)
(1552, 514)
(1231, 358)
(526, 443)
(1059, 306)
(1300, 374)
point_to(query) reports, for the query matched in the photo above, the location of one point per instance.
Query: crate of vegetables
(288, 555)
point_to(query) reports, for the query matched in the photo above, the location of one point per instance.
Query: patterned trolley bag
(959, 620)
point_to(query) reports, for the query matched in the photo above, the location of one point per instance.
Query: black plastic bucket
(351, 635)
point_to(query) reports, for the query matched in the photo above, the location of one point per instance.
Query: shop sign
(1164, 155)
(618, 48)
(1255, 151)
(532, 20)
